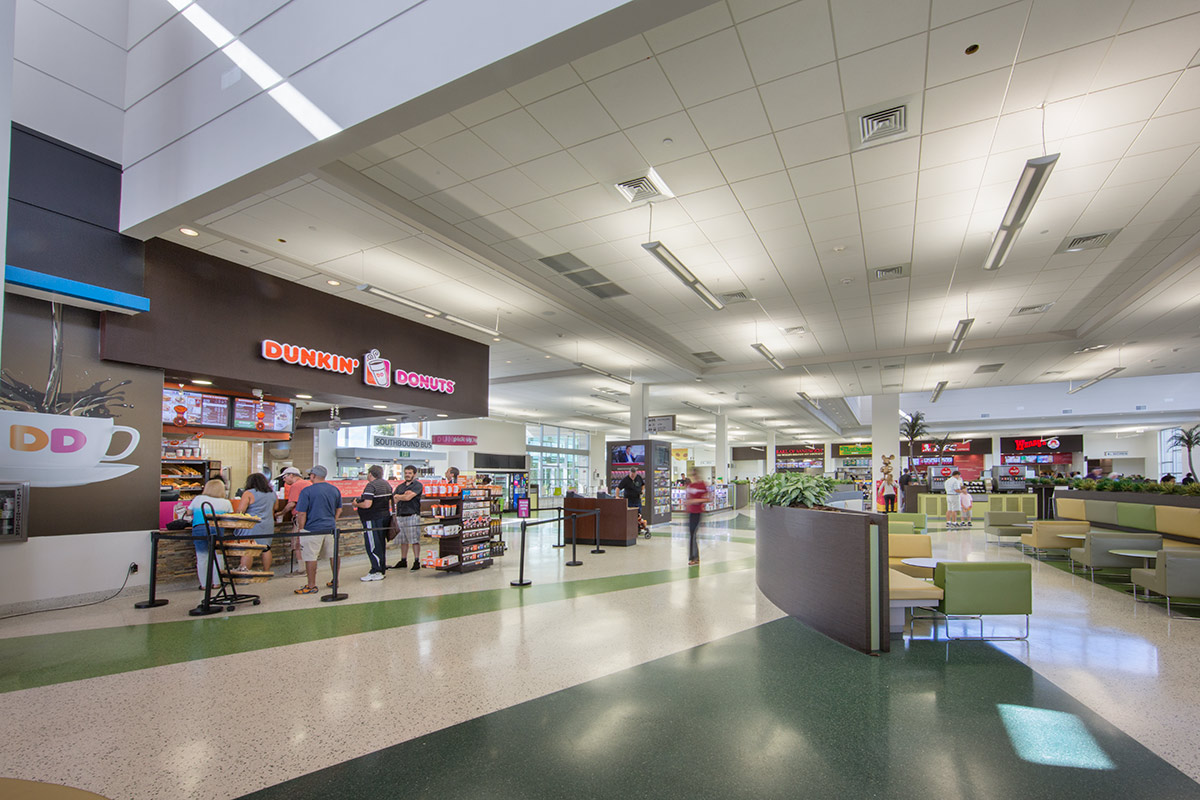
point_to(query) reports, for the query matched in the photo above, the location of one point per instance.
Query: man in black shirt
(631, 486)
(374, 509)
(407, 497)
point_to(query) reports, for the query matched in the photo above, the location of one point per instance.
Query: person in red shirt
(697, 496)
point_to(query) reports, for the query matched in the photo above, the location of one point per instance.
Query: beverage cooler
(514, 484)
(14, 511)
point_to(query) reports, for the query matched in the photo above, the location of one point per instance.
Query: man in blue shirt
(317, 512)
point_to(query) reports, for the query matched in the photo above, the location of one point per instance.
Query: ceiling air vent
(893, 366)
(647, 187)
(1042, 309)
(709, 357)
(891, 386)
(1068, 411)
(586, 277)
(1087, 241)
(797, 330)
(890, 273)
(985, 416)
(882, 124)
(606, 291)
(984, 368)
(736, 297)
(563, 262)
(1139, 408)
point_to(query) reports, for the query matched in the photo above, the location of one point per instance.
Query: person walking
(317, 512)
(258, 499)
(407, 497)
(953, 504)
(697, 495)
(375, 511)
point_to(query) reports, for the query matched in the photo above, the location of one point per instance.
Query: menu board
(194, 409)
(262, 415)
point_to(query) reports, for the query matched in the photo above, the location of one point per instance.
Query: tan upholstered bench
(905, 591)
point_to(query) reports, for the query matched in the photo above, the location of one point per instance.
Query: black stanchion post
(152, 601)
(598, 548)
(561, 541)
(521, 581)
(334, 595)
(574, 562)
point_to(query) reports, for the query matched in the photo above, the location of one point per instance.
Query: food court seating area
(1171, 522)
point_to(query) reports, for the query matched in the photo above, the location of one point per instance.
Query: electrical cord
(128, 572)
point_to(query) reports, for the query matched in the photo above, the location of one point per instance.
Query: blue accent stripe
(77, 290)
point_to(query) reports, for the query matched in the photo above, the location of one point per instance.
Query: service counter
(617, 521)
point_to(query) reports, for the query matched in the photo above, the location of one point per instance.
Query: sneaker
(401, 564)
(416, 565)
(693, 563)
(371, 576)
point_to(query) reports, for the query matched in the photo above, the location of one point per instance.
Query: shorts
(312, 545)
(410, 529)
(953, 502)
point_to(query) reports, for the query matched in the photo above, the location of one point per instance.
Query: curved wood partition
(827, 569)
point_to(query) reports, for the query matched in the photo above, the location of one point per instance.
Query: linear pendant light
(1029, 187)
(1096, 379)
(677, 268)
(960, 333)
(937, 391)
(428, 311)
(605, 373)
(468, 324)
(766, 353)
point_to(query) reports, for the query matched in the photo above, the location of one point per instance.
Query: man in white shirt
(953, 504)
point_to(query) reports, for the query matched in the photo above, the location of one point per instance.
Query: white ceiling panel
(793, 38)
(707, 69)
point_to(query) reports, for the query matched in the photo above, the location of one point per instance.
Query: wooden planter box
(828, 569)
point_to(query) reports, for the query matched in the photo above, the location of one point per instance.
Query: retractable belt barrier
(574, 562)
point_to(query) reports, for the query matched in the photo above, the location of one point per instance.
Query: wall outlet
(133, 568)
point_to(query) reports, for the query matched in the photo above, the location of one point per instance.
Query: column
(721, 462)
(639, 403)
(770, 469)
(885, 436)
(8, 22)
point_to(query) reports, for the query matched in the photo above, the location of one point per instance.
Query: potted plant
(1187, 438)
(912, 429)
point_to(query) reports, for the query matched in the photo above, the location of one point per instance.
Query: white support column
(639, 404)
(8, 22)
(721, 462)
(885, 436)
(770, 470)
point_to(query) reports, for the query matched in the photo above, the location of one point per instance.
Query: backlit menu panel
(261, 415)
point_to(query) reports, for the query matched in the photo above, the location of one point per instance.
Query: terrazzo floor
(137, 704)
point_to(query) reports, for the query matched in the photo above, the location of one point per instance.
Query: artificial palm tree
(913, 428)
(1187, 438)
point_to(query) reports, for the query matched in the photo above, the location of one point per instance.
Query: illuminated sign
(854, 449)
(800, 450)
(1031, 444)
(402, 443)
(454, 438)
(1043, 445)
(377, 372)
(307, 357)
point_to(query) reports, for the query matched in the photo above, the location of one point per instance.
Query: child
(964, 499)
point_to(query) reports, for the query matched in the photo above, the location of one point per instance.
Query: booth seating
(977, 588)
(900, 527)
(907, 592)
(1095, 551)
(909, 545)
(1179, 523)
(1045, 536)
(1176, 573)
(919, 521)
(1001, 524)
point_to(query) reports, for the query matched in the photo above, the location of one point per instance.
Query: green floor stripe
(776, 711)
(29, 661)
(720, 537)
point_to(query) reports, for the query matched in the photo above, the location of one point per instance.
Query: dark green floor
(775, 711)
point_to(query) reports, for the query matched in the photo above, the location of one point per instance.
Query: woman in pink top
(697, 496)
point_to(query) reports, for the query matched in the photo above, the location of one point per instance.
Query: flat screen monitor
(262, 415)
(629, 454)
(194, 409)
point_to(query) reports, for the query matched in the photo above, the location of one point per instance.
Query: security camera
(257, 393)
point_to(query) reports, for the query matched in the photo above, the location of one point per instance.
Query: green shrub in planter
(1152, 487)
(792, 489)
(1087, 485)
(1061, 482)
(1192, 490)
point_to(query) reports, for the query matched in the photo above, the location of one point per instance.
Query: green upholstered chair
(1101, 512)
(1137, 515)
(972, 590)
(1176, 573)
(899, 526)
(1068, 507)
(1095, 551)
(918, 521)
(1000, 524)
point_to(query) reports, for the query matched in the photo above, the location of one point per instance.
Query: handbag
(393, 528)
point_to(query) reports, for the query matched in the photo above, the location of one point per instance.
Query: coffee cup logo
(39, 441)
(377, 371)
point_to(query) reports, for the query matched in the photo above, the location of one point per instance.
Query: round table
(35, 790)
(926, 563)
(1145, 555)
(1078, 537)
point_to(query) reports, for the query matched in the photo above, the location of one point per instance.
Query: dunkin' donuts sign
(377, 371)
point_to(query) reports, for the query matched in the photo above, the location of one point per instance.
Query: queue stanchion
(561, 541)
(206, 607)
(152, 601)
(598, 549)
(521, 580)
(334, 596)
(574, 562)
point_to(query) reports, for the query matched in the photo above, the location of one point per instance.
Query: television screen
(262, 415)
(629, 454)
(194, 409)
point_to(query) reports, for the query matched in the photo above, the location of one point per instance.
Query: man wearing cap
(294, 483)
(317, 512)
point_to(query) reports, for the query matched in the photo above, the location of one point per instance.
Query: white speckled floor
(220, 727)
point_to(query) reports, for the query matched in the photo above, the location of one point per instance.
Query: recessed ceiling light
(547, 356)
(443, 415)
(972, 50)
(304, 396)
(378, 406)
(841, 248)
(507, 362)
(201, 382)
(282, 241)
(495, 338)
(389, 419)
(332, 282)
(189, 232)
(1090, 349)
(847, 281)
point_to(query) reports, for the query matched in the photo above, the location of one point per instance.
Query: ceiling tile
(1184, 96)
(749, 159)
(612, 58)
(573, 116)
(544, 85)
(996, 32)
(556, 173)
(863, 24)
(467, 200)
(611, 158)
(814, 141)
(545, 214)
(429, 132)
(803, 97)
(763, 190)
(1058, 24)
(888, 192)
(734, 118)
(956, 144)
(886, 160)
(775, 217)
(715, 202)
(636, 93)
(968, 100)
(591, 201)
(510, 187)
(885, 73)
(707, 69)
(692, 174)
(466, 154)
(485, 109)
(829, 204)
(1112, 107)
(793, 38)
(709, 19)
(422, 171)
(651, 138)
(517, 137)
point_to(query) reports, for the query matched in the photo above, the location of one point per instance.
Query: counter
(618, 522)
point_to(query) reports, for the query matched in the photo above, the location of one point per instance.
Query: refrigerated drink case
(14, 511)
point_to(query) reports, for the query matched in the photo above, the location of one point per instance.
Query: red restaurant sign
(454, 438)
(377, 372)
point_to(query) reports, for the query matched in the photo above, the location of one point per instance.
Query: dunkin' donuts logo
(377, 371)
(308, 357)
(28, 439)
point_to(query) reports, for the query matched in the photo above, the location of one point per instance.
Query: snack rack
(469, 548)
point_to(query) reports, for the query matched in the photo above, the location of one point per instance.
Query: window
(555, 461)
(364, 435)
(1171, 458)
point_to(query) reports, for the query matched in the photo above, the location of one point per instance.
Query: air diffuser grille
(882, 124)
